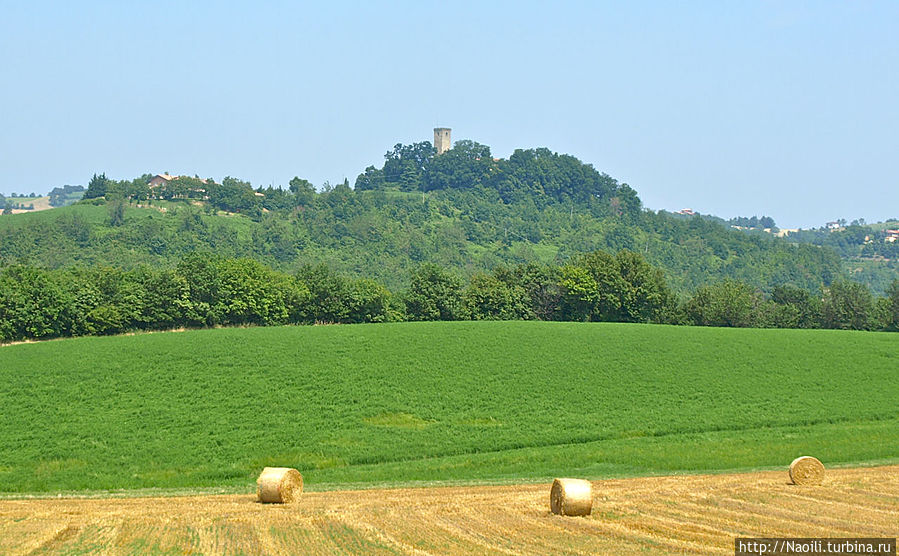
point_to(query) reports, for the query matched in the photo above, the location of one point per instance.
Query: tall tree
(847, 305)
(97, 187)
(434, 294)
(728, 303)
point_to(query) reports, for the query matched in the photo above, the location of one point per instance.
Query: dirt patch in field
(679, 514)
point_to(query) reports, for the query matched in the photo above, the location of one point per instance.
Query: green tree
(372, 302)
(467, 165)
(893, 305)
(116, 212)
(329, 294)
(233, 195)
(543, 292)
(303, 191)
(795, 308)
(165, 302)
(434, 294)
(594, 288)
(97, 187)
(847, 306)
(645, 296)
(495, 296)
(371, 179)
(728, 303)
(250, 293)
(31, 304)
(201, 272)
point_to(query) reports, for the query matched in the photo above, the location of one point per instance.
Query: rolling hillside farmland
(371, 405)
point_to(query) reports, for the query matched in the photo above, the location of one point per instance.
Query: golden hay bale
(571, 497)
(279, 485)
(806, 470)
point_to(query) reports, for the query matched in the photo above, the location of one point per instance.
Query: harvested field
(676, 514)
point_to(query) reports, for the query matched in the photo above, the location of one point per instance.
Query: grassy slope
(439, 401)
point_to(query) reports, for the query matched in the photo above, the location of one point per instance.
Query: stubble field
(698, 514)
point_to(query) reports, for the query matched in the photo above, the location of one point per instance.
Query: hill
(463, 210)
(869, 252)
(19, 205)
(394, 403)
(58, 197)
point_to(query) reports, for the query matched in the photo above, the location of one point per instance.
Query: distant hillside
(464, 210)
(58, 197)
(19, 204)
(870, 252)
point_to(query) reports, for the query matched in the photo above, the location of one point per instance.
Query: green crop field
(472, 401)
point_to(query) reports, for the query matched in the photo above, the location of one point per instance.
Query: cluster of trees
(8, 204)
(538, 175)
(207, 290)
(31, 195)
(845, 305)
(765, 222)
(231, 195)
(59, 196)
(65, 195)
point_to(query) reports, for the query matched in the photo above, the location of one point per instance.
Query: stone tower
(442, 140)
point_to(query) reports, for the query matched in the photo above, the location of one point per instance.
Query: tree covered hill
(464, 210)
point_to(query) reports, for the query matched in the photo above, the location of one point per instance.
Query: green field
(396, 403)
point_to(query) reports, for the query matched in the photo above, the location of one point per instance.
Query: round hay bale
(571, 497)
(279, 485)
(806, 470)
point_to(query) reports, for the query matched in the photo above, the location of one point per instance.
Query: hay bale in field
(806, 470)
(571, 497)
(279, 485)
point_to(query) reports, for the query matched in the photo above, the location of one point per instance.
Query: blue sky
(789, 109)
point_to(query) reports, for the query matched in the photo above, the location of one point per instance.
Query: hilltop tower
(442, 140)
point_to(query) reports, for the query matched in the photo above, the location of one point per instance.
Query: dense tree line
(765, 222)
(14, 202)
(537, 175)
(65, 195)
(205, 290)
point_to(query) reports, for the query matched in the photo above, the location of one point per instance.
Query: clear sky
(783, 108)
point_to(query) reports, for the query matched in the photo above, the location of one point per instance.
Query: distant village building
(833, 225)
(686, 212)
(892, 235)
(160, 179)
(192, 189)
(442, 141)
(784, 232)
